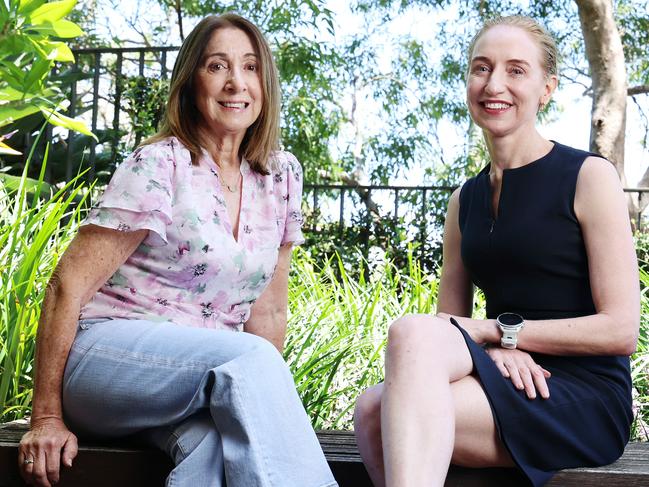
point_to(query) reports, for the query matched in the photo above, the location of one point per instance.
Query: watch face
(510, 319)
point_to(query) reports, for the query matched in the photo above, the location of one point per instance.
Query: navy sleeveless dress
(531, 260)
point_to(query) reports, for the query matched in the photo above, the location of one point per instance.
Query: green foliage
(633, 22)
(338, 327)
(642, 249)
(416, 231)
(35, 228)
(145, 101)
(29, 47)
(640, 366)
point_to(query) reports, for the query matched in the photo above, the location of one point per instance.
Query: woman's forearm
(598, 334)
(56, 332)
(269, 324)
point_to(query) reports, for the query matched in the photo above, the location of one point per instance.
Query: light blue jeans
(222, 404)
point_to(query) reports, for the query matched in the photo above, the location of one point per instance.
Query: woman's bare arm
(600, 206)
(268, 313)
(92, 257)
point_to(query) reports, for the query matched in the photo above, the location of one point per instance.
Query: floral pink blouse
(189, 269)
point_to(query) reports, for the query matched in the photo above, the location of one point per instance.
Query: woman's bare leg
(429, 411)
(367, 428)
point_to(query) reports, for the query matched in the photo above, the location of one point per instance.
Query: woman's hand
(43, 448)
(524, 373)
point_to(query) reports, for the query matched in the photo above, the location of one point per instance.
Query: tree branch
(179, 13)
(638, 90)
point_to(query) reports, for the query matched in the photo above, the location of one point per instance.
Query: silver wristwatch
(510, 324)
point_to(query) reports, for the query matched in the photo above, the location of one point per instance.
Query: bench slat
(110, 464)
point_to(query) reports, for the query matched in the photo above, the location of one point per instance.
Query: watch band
(509, 339)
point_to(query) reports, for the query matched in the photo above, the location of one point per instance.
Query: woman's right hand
(41, 450)
(522, 370)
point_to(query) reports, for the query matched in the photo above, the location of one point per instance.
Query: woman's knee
(227, 346)
(416, 330)
(262, 347)
(258, 356)
(367, 413)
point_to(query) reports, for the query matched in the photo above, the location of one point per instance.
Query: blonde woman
(543, 383)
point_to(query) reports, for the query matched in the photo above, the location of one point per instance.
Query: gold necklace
(232, 189)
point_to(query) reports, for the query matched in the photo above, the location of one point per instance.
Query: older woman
(543, 383)
(189, 245)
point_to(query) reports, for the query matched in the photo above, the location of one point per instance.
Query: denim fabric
(223, 404)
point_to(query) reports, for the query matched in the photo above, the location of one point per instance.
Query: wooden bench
(118, 465)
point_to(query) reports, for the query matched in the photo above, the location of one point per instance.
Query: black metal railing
(96, 84)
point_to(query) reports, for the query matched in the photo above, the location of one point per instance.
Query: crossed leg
(429, 412)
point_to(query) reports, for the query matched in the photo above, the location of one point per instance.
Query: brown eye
(213, 67)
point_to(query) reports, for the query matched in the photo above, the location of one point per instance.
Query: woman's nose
(496, 83)
(235, 80)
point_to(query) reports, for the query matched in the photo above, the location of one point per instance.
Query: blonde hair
(538, 33)
(181, 118)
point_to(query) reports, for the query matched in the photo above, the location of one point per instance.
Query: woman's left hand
(522, 370)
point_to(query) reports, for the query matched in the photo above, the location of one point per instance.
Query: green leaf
(51, 12)
(11, 94)
(27, 6)
(15, 111)
(59, 51)
(39, 46)
(4, 13)
(14, 44)
(61, 28)
(37, 73)
(57, 118)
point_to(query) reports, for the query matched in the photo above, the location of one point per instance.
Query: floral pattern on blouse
(190, 269)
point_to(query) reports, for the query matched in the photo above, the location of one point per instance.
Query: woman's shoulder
(565, 154)
(596, 171)
(282, 161)
(284, 164)
(168, 147)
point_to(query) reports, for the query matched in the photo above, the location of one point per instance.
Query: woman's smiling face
(228, 88)
(507, 83)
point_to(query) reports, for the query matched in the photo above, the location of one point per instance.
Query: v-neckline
(495, 215)
(242, 169)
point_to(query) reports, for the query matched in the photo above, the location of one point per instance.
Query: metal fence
(367, 215)
(96, 84)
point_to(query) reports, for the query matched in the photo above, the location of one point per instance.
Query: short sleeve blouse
(190, 269)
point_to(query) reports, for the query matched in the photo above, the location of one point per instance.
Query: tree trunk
(608, 72)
